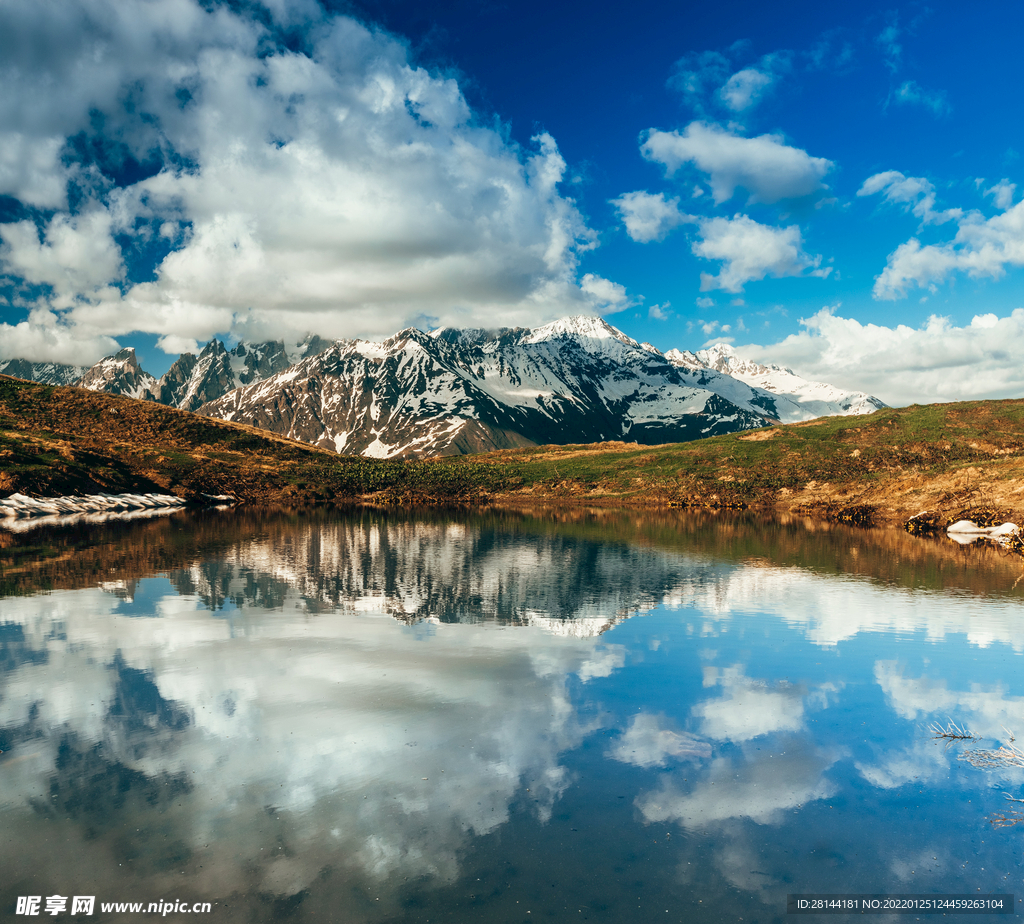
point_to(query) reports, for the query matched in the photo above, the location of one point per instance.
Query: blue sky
(831, 189)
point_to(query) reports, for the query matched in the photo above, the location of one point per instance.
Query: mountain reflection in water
(362, 717)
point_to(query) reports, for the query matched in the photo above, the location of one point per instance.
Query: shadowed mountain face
(192, 381)
(451, 392)
(47, 373)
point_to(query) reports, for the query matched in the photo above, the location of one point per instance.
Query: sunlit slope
(902, 459)
(61, 440)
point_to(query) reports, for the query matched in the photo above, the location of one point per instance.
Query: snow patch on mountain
(47, 373)
(794, 398)
(119, 374)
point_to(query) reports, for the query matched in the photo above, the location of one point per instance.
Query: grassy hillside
(903, 460)
(942, 457)
(56, 440)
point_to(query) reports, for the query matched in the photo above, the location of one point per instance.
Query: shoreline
(881, 468)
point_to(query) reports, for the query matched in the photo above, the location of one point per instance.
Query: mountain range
(452, 391)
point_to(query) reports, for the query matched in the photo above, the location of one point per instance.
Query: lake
(576, 715)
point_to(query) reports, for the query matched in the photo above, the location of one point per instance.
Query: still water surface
(585, 717)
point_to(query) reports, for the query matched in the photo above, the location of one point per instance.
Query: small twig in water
(1007, 820)
(952, 732)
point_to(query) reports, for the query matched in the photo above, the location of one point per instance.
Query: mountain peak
(583, 326)
(119, 374)
(126, 356)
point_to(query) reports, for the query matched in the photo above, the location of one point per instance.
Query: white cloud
(313, 728)
(646, 744)
(748, 708)
(760, 789)
(344, 191)
(985, 709)
(1002, 193)
(30, 169)
(648, 217)
(830, 52)
(912, 93)
(765, 166)
(44, 337)
(175, 345)
(705, 301)
(76, 256)
(749, 251)
(745, 88)
(982, 247)
(709, 77)
(659, 312)
(606, 297)
(914, 192)
(340, 735)
(828, 610)
(904, 365)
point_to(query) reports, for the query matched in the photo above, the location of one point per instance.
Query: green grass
(862, 453)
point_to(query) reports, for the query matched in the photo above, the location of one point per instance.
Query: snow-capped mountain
(47, 373)
(781, 393)
(578, 380)
(194, 380)
(119, 374)
(452, 391)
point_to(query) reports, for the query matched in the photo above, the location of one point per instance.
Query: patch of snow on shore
(19, 506)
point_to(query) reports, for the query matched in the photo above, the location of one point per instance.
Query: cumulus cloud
(938, 361)
(1002, 194)
(987, 710)
(750, 251)
(982, 247)
(912, 93)
(43, 336)
(606, 296)
(337, 188)
(748, 708)
(440, 762)
(760, 789)
(646, 744)
(913, 192)
(745, 88)
(768, 168)
(648, 217)
(75, 254)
